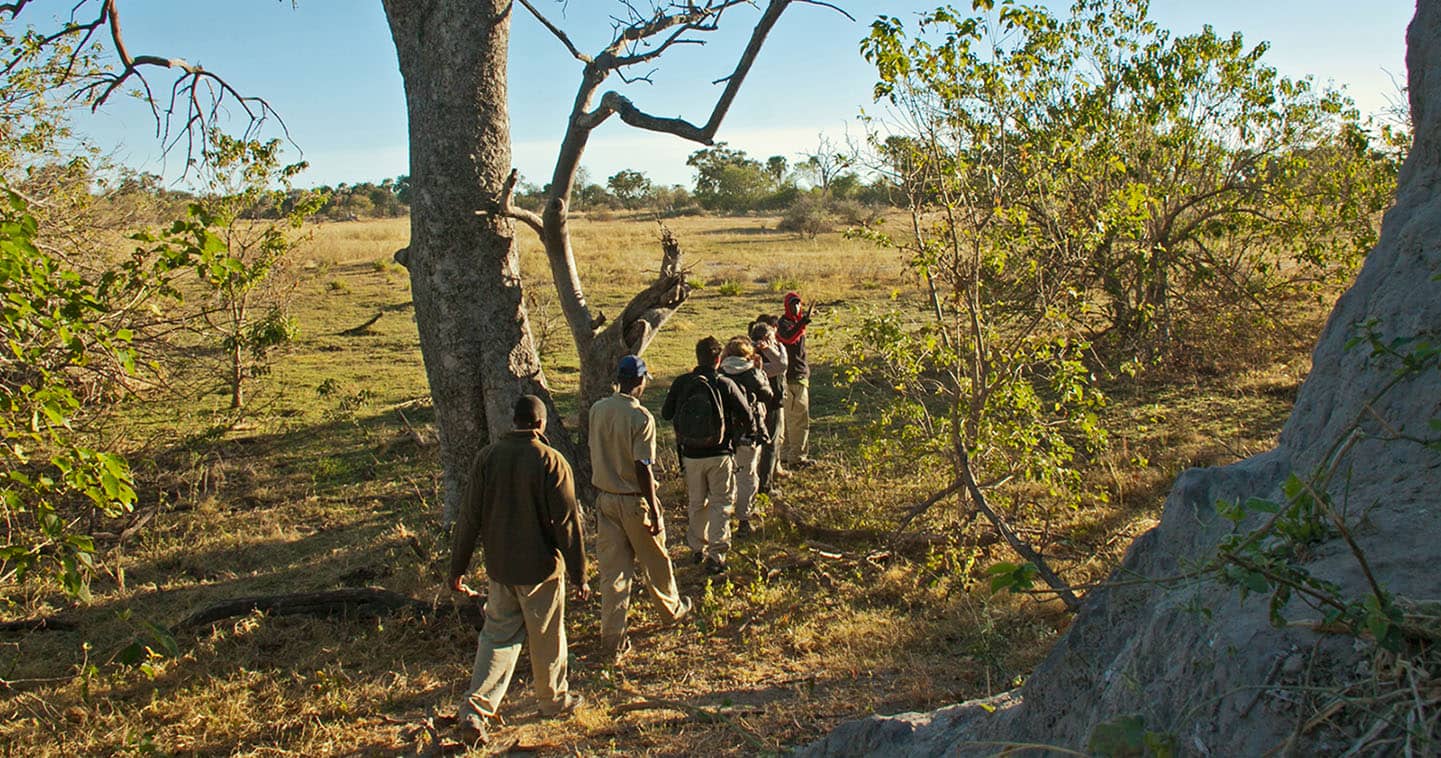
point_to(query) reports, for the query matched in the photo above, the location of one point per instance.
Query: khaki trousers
(797, 422)
(710, 484)
(747, 479)
(623, 538)
(533, 613)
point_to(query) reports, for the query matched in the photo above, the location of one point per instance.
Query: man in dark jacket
(709, 469)
(521, 504)
(791, 331)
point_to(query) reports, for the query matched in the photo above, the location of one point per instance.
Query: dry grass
(312, 491)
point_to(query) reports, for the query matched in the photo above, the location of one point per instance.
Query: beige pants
(779, 440)
(797, 422)
(622, 539)
(710, 484)
(533, 613)
(747, 479)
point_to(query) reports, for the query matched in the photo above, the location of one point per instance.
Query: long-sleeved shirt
(739, 418)
(791, 331)
(521, 504)
(752, 381)
(775, 364)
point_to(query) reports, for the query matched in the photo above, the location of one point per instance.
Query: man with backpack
(709, 413)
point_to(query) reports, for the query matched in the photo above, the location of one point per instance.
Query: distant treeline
(814, 194)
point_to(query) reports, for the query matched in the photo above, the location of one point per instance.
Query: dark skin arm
(647, 490)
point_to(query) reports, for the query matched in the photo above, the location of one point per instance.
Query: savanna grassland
(329, 479)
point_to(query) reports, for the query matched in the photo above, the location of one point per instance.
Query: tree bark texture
(475, 335)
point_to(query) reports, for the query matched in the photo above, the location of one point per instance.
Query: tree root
(698, 713)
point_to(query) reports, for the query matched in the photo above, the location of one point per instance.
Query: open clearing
(329, 481)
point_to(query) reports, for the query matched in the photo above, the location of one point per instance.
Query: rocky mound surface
(1191, 663)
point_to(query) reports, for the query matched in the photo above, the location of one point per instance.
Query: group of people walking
(741, 420)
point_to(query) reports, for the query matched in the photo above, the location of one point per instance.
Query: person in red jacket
(791, 331)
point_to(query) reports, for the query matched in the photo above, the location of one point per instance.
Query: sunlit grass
(330, 480)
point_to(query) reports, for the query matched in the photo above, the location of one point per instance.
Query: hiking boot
(781, 473)
(471, 730)
(617, 652)
(566, 707)
(686, 606)
(696, 557)
(714, 566)
(743, 529)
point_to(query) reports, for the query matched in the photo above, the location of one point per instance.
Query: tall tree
(641, 37)
(464, 269)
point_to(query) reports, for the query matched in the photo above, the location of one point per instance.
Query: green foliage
(1270, 561)
(1162, 179)
(35, 90)
(808, 216)
(729, 181)
(1270, 558)
(349, 202)
(57, 327)
(631, 187)
(149, 644)
(730, 288)
(1011, 577)
(1128, 737)
(235, 239)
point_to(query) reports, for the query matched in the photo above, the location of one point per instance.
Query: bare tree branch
(510, 210)
(197, 96)
(674, 39)
(644, 315)
(557, 31)
(695, 17)
(614, 102)
(14, 8)
(978, 499)
(835, 8)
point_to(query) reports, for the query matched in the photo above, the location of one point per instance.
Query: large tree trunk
(464, 270)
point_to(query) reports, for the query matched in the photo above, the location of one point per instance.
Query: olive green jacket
(521, 504)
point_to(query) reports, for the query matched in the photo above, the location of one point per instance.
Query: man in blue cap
(630, 525)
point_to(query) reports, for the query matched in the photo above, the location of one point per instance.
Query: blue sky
(329, 68)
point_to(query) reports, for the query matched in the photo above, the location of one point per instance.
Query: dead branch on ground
(363, 329)
(356, 601)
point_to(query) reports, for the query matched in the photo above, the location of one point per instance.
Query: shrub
(808, 217)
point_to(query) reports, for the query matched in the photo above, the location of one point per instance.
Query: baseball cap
(631, 367)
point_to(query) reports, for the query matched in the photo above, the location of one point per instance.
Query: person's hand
(457, 584)
(582, 591)
(655, 517)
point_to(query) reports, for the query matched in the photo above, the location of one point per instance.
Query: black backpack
(699, 419)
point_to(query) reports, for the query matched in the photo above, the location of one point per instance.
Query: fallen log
(42, 624)
(363, 329)
(874, 537)
(361, 602)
